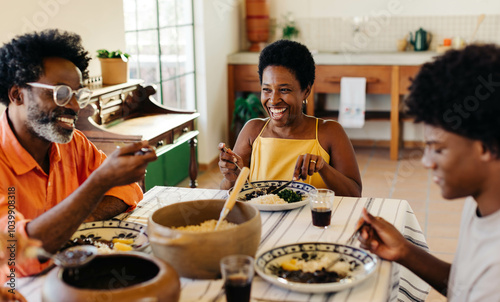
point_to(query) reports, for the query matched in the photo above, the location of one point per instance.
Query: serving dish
(197, 255)
(111, 229)
(362, 265)
(298, 187)
(124, 277)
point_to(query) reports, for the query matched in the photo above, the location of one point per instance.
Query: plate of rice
(292, 197)
(304, 267)
(111, 236)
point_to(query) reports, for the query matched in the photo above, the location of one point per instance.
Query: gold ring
(313, 161)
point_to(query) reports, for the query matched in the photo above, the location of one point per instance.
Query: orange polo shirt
(26, 191)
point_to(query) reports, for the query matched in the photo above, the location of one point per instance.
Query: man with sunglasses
(53, 177)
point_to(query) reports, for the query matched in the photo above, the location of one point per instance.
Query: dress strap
(264, 127)
(317, 128)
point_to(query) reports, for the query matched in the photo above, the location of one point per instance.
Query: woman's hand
(382, 238)
(228, 163)
(307, 164)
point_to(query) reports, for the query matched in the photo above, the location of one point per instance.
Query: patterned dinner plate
(361, 265)
(110, 229)
(298, 187)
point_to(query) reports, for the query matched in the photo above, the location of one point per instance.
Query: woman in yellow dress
(290, 143)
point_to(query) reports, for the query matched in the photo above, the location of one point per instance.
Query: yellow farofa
(267, 199)
(119, 245)
(206, 226)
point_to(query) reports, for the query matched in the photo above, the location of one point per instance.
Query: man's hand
(6, 296)
(126, 165)
(382, 238)
(23, 243)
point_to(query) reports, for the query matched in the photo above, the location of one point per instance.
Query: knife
(280, 187)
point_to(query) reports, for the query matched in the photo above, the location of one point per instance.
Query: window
(160, 39)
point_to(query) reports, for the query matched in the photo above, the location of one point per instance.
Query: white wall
(218, 27)
(99, 23)
(343, 8)
(217, 35)
(311, 9)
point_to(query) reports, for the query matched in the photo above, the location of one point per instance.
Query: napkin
(352, 102)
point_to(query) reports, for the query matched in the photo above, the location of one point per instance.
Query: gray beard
(44, 126)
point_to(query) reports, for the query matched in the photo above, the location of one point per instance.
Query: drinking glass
(321, 201)
(237, 272)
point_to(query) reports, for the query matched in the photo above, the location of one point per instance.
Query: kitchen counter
(386, 73)
(409, 58)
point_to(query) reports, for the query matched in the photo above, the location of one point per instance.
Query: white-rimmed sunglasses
(62, 94)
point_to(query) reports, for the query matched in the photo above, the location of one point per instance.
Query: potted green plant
(246, 109)
(289, 27)
(114, 66)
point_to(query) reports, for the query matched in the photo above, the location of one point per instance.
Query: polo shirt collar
(19, 159)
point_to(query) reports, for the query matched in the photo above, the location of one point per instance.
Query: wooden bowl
(197, 255)
(124, 277)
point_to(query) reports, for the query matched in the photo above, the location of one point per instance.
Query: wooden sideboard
(381, 79)
(126, 113)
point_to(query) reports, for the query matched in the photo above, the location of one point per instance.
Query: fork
(349, 241)
(239, 168)
(249, 182)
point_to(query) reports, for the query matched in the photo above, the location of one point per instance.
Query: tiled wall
(380, 34)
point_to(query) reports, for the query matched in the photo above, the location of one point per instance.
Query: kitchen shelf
(389, 79)
(369, 115)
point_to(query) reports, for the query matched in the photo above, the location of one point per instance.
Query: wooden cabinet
(380, 79)
(125, 113)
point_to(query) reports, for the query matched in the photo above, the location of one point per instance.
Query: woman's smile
(276, 113)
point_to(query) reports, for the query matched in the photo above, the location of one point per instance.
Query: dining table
(390, 282)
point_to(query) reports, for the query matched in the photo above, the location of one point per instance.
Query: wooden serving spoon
(231, 200)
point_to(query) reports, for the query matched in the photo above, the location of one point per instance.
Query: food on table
(313, 268)
(206, 226)
(290, 196)
(122, 247)
(128, 241)
(103, 246)
(267, 199)
(287, 195)
(258, 193)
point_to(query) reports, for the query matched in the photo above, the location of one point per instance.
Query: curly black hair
(21, 60)
(292, 55)
(460, 93)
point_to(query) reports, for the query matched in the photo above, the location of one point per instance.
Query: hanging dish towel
(352, 102)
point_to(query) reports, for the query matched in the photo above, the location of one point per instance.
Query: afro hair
(291, 55)
(21, 59)
(460, 93)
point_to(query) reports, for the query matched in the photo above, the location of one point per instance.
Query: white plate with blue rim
(360, 265)
(298, 187)
(114, 229)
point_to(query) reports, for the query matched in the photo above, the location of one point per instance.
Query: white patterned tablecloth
(391, 282)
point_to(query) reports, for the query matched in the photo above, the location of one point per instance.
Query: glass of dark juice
(321, 201)
(237, 272)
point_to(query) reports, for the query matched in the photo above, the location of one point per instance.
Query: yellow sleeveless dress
(275, 158)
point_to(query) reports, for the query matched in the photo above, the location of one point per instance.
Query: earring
(304, 102)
